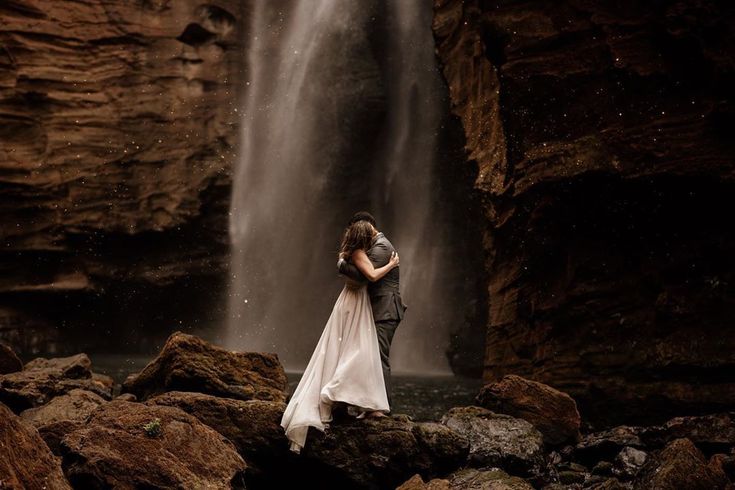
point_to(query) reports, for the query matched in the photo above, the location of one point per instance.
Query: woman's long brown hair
(356, 236)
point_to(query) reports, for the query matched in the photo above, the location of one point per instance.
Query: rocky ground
(199, 416)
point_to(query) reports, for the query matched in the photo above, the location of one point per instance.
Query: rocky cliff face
(599, 131)
(117, 132)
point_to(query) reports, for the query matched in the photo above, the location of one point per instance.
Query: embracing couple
(350, 364)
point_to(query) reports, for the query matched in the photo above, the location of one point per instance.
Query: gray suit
(385, 298)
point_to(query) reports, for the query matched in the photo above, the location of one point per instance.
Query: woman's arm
(362, 262)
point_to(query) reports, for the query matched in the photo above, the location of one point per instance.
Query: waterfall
(341, 113)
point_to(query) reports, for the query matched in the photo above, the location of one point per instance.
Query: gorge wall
(599, 132)
(118, 126)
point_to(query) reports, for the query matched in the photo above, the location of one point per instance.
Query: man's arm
(349, 270)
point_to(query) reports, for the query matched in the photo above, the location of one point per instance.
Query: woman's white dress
(345, 367)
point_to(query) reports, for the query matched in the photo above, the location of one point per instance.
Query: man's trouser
(385, 330)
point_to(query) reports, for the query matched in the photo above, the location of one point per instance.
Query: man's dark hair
(362, 216)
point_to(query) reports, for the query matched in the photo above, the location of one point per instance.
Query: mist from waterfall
(330, 128)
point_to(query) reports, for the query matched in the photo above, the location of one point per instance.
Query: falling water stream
(341, 113)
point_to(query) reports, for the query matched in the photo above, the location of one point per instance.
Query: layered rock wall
(118, 128)
(599, 131)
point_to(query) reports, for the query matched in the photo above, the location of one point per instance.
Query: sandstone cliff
(599, 131)
(118, 127)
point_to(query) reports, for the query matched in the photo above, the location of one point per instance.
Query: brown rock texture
(497, 440)
(43, 379)
(25, 460)
(599, 134)
(118, 128)
(381, 453)
(188, 363)
(9, 362)
(551, 411)
(681, 465)
(253, 426)
(62, 415)
(115, 451)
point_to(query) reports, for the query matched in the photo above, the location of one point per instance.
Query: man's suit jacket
(385, 296)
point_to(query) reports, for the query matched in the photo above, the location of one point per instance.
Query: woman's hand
(394, 261)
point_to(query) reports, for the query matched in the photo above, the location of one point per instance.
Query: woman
(345, 366)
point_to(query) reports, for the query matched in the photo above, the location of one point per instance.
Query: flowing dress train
(345, 367)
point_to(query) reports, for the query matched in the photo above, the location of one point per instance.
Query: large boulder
(43, 379)
(551, 411)
(9, 362)
(62, 415)
(714, 432)
(25, 460)
(470, 479)
(680, 465)
(132, 445)
(498, 440)
(188, 363)
(606, 445)
(254, 426)
(383, 452)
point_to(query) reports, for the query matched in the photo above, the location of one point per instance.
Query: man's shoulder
(381, 242)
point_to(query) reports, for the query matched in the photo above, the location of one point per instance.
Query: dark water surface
(424, 397)
(421, 397)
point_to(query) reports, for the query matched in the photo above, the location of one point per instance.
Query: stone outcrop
(253, 426)
(131, 445)
(382, 453)
(118, 129)
(43, 379)
(469, 479)
(551, 411)
(188, 363)
(25, 460)
(62, 415)
(498, 440)
(713, 432)
(681, 465)
(599, 137)
(9, 362)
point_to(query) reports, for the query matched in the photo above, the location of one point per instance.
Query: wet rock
(725, 463)
(551, 411)
(470, 479)
(9, 362)
(714, 432)
(62, 415)
(127, 397)
(417, 483)
(188, 363)
(680, 465)
(253, 426)
(383, 452)
(25, 460)
(498, 440)
(629, 462)
(494, 479)
(132, 445)
(605, 445)
(43, 379)
(569, 477)
(607, 484)
(604, 468)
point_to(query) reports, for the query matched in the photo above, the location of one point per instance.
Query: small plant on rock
(153, 428)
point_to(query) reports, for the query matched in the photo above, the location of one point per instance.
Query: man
(385, 297)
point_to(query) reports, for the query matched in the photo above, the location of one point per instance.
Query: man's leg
(385, 330)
